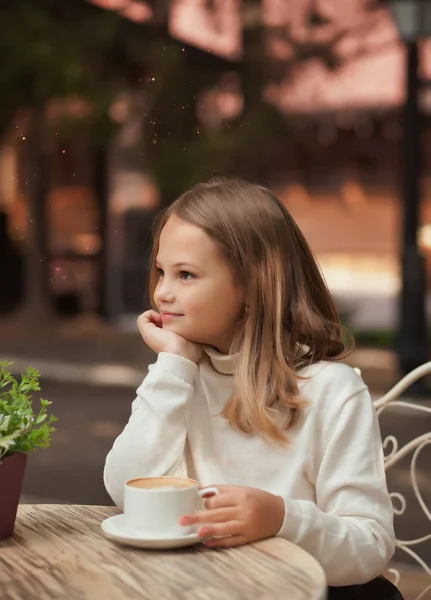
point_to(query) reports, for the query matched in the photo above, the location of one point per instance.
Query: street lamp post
(413, 18)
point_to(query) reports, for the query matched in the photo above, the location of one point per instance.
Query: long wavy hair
(289, 321)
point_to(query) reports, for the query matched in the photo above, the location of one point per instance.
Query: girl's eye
(186, 275)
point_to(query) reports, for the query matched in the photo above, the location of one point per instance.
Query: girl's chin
(182, 331)
(176, 329)
(171, 327)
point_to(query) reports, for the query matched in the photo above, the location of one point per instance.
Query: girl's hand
(160, 340)
(238, 515)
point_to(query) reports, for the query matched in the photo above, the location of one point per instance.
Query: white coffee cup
(156, 504)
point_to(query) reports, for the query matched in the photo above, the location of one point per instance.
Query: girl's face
(196, 292)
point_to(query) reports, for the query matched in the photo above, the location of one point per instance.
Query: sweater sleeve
(349, 529)
(152, 443)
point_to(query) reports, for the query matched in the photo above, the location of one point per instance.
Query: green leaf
(21, 428)
(40, 419)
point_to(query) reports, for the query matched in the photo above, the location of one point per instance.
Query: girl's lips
(167, 316)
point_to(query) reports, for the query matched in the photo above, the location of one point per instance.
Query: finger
(145, 316)
(142, 326)
(227, 542)
(157, 319)
(209, 516)
(221, 501)
(222, 530)
(150, 317)
(224, 490)
(143, 320)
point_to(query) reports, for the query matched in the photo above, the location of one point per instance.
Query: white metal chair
(394, 453)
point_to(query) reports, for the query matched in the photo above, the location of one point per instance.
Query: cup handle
(209, 490)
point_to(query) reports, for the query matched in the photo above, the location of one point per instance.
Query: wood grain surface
(59, 552)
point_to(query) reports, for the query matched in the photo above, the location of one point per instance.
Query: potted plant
(21, 430)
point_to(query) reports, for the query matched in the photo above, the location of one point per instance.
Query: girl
(248, 393)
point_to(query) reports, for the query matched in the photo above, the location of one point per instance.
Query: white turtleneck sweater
(331, 475)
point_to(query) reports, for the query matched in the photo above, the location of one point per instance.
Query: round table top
(59, 552)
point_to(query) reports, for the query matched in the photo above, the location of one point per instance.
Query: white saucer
(117, 529)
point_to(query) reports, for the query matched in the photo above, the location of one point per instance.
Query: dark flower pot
(12, 468)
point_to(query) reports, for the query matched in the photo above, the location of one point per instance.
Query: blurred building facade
(338, 173)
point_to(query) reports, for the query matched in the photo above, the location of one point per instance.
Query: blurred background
(110, 109)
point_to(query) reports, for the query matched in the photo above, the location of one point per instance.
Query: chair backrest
(395, 453)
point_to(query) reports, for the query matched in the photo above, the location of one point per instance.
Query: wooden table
(59, 552)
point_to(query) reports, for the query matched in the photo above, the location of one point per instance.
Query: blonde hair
(290, 320)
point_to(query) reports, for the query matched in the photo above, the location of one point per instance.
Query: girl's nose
(163, 294)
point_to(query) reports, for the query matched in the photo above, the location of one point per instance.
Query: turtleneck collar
(225, 363)
(222, 363)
